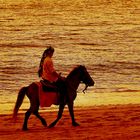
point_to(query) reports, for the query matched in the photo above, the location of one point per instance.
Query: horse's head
(82, 76)
(85, 77)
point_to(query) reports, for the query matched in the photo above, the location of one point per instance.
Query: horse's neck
(73, 83)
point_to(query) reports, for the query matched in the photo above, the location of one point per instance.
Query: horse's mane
(74, 70)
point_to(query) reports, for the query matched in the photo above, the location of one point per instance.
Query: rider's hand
(61, 77)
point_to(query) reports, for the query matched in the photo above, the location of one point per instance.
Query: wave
(22, 45)
(118, 67)
(66, 4)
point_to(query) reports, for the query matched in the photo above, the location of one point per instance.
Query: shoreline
(55, 108)
(98, 122)
(83, 100)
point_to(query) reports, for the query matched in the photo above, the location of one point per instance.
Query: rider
(48, 73)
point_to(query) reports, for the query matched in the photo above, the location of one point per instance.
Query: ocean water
(103, 35)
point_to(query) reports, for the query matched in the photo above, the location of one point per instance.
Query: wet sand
(120, 122)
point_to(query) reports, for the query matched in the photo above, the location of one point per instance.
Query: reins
(86, 86)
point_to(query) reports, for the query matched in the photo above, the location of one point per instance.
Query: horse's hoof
(75, 124)
(51, 125)
(44, 123)
(25, 129)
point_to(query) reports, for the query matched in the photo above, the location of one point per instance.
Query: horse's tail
(19, 101)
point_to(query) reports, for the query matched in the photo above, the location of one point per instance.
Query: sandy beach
(103, 35)
(120, 122)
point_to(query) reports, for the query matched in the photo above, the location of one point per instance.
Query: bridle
(86, 86)
(84, 80)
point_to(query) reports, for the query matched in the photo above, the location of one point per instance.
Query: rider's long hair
(44, 55)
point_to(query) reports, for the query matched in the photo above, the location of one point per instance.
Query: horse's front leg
(61, 108)
(70, 105)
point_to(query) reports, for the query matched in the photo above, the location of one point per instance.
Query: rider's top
(48, 70)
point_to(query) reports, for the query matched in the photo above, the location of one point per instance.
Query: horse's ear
(83, 66)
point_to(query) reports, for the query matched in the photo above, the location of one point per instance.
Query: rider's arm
(51, 69)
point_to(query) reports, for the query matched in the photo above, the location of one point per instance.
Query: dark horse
(76, 76)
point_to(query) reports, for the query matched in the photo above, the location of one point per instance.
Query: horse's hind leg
(41, 119)
(27, 115)
(35, 108)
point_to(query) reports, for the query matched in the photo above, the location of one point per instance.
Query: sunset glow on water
(102, 35)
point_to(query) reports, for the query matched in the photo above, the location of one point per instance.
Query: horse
(78, 75)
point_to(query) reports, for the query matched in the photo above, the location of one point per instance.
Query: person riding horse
(74, 78)
(51, 79)
(67, 88)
